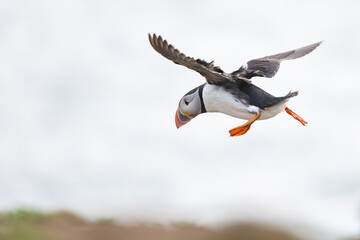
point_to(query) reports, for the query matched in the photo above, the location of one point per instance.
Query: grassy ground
(34, 225)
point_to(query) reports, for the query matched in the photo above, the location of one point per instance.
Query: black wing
(213, 74)
(268, 66)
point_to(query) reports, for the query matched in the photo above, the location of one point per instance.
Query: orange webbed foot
(297, 117)
(238, 131)
(241, 130)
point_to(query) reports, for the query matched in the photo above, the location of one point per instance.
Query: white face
(190, 104)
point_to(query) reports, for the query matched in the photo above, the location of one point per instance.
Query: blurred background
(87, 120)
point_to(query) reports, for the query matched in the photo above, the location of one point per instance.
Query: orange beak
(181, 119)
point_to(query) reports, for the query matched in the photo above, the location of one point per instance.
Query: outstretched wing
(213, 74)
(268, 66)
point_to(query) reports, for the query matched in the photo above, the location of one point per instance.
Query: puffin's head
(190, 106)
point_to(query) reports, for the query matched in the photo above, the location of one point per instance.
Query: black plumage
(250, 94)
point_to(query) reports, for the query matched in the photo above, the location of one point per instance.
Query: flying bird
(231, 93)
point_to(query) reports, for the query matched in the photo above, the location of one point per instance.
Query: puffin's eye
(186, 102)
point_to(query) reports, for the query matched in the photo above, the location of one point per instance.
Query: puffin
(233, 93)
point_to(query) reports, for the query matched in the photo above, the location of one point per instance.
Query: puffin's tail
(286, 97)
(291, 94)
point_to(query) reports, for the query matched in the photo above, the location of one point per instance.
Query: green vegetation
(27, 224)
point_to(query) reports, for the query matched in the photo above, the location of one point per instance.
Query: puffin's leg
(238, 131)
(294, 115)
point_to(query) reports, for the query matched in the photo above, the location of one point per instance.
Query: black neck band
(203, 109)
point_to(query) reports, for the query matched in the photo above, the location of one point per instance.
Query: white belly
(216, 99)
(272, 111)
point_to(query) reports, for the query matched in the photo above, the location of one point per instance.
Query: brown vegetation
(63, 225)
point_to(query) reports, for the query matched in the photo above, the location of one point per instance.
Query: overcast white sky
(87, 112)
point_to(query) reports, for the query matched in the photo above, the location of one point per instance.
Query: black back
(253, 95)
